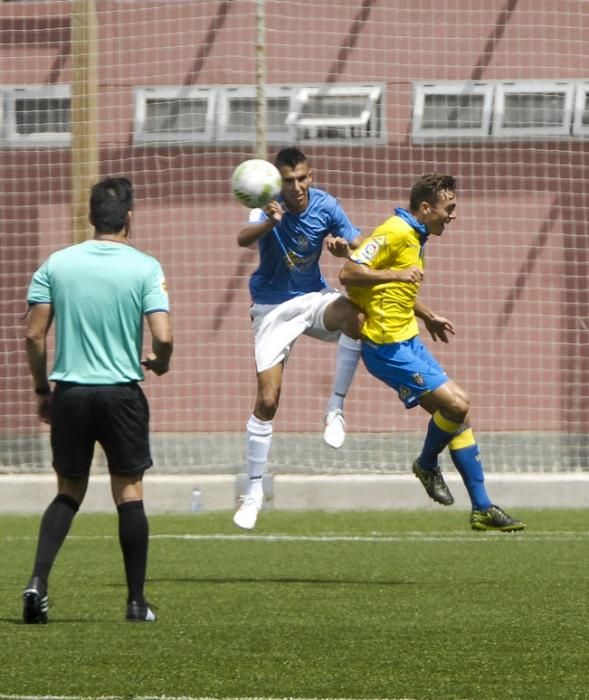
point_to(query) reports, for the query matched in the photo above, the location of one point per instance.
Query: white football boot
(247, 513)
(334, 433)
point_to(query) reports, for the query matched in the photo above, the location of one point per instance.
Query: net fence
(375, 93)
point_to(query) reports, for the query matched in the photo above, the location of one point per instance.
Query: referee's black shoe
(140, 612)
(35, 604)
(434, 484)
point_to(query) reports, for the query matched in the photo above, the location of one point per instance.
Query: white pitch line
(456, 536)
(401, 537)
(167, 697)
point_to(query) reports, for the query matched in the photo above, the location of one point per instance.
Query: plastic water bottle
(196, 501)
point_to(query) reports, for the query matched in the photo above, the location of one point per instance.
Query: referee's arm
(162, 342)
(39, 320)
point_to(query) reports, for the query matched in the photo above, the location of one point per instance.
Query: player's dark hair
(290, 156)
(428, 188)
(111, 200)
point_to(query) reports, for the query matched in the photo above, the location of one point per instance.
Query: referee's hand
(44, 407)
(155, 365)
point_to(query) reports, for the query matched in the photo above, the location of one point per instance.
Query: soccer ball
(256, 182)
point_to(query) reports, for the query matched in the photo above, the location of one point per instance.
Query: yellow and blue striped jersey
(389, 307)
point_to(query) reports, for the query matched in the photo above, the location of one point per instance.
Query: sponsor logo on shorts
(404, 392)
(418, 379)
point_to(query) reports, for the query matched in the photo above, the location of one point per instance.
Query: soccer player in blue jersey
(290, 298)
(97, 293)
(383, 277)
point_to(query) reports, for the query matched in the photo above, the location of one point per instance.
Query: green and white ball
(256, 182)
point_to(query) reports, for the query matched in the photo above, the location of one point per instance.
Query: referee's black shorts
(116, 416)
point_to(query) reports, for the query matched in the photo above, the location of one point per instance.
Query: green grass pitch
(309, 605)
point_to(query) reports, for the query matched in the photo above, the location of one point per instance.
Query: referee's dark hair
(111, 200)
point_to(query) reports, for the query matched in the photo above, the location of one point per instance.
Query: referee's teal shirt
(100, 291)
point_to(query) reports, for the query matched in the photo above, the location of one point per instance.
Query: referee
(97, 292)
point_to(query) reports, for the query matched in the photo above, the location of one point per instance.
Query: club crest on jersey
(418, 379)
(302, 243)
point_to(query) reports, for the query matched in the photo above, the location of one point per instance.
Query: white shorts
(277, 326)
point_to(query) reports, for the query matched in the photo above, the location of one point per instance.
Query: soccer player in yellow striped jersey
(390, 307)
(382, 277)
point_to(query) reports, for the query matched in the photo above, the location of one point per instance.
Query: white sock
(346, 362)
(259, 439)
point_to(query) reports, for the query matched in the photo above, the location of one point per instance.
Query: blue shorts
(408, 367)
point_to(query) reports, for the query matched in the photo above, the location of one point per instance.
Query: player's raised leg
(347, 317)
(346, 362)
(448, 405)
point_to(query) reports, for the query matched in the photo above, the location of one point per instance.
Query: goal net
(375, 93)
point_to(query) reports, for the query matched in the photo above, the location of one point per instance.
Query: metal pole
(84, 113)
(261, 129)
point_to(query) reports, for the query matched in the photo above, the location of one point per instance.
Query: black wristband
(43, 392)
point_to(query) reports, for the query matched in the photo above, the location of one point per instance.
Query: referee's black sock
(133, 537)
(55, 525)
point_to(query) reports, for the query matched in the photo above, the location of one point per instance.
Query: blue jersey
(100, 291)
(289, 253)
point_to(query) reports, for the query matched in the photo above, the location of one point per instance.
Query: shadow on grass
(226, 580)
(52, 622)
